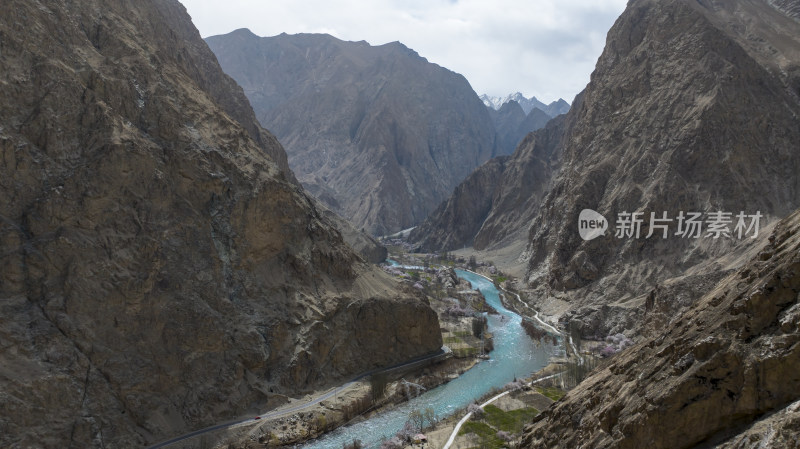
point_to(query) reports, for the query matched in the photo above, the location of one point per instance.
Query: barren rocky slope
(369, 248)
(497, 202)
(724, 375)
(693, 107)
(455, 222)
(721, 136)
(377, 132)
(160, 269)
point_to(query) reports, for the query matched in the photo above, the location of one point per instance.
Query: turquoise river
(514, 355)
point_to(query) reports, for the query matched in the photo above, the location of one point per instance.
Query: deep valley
(251, 240)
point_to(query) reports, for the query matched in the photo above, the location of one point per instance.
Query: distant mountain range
(377, 132)
(528, 104)
(512, 125)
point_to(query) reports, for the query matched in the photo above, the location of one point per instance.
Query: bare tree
(476, 410)
(430, 416)
(378, 383)
(417, 418)
(356, 444)
(478, 324)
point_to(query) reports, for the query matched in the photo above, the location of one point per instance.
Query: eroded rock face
(513, 124)
(455, 222)
(718, 137)
(376, 132)
(369, 248)
(714, 377)
(722, 374)
(496, 203)
(160, 268)
(692, 107)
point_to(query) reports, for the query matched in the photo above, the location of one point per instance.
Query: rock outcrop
(724, 375)
(160, 268)
(376, 132)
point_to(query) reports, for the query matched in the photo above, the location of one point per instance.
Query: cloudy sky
(546, 48)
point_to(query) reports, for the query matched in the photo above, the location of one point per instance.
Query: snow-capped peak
(528, 104)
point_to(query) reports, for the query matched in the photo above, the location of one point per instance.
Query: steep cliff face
(512, 125)
(692, 107)
(377, 132)
(724, 375)
(455, 222)
(524, 182)
(719, 137)
(494, 206)
(160, 268)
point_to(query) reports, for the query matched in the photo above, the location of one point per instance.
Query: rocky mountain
(369, 248)
(693, 106)
(512, 125)
(377, 132)
(718, 138)
(721, 137)
(160, 268)
(556, 108)
(553, 109)
(456, 222)
(494, 206)
(723, 375)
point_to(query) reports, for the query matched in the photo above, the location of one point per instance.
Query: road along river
(514, 355)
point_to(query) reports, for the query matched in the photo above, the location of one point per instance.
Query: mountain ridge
(552, 109)
(378, 133)
(512, 125)
(639, 139)
(162, 269)
(510, 193)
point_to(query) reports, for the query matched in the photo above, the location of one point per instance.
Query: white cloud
(545, 48)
